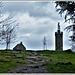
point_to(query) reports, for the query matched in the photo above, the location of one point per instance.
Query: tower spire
(58, 25)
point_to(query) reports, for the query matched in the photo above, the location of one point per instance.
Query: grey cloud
(36, 39)
(36, 42)
(35, 9)
(22, 6)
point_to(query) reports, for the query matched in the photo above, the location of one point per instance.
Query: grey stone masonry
(19, 47)
(59, 39)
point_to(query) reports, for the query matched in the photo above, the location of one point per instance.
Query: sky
(36, 19)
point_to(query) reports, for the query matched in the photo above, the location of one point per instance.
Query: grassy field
(9, 61)
(61, 57)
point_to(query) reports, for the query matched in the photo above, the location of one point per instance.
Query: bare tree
(7, 30)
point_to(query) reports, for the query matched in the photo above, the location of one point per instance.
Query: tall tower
(59, 39)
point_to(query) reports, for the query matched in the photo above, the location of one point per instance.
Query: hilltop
(47, 61)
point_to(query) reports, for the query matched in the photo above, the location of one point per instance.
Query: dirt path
(31, 68)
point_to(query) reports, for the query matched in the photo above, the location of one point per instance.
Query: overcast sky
(36, 20)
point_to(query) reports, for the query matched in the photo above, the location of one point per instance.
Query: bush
(69, 50)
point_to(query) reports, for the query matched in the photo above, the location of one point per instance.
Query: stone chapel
(19, 47)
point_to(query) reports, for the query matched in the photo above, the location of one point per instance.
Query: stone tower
(59, 39)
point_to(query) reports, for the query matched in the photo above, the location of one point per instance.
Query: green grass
(9, 61)
(59, 56)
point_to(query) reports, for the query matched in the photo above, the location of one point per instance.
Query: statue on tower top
(58, 25)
